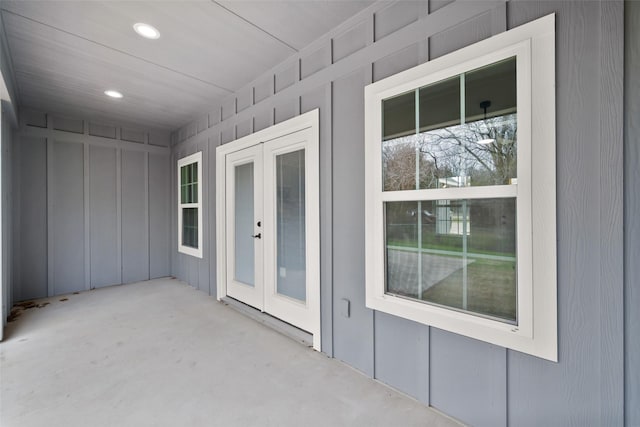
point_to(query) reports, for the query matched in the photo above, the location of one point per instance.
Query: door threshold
(274, 323)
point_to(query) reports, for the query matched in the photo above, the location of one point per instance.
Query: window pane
(453, 151)
(290, 222)
(491, 91)
(194, 183)
(399, 116)
(190, 227)
(440, 104)
(189, 183)
(244, 217)
(473, 154)
(399, 163)
(457, 253)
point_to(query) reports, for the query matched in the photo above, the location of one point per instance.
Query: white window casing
(535, 332)
(196, 159)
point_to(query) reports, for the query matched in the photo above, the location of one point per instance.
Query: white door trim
(309, 121)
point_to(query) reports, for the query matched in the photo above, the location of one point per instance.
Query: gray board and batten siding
(91, 205)
(475, 382)
(8, 121)
(631, 213)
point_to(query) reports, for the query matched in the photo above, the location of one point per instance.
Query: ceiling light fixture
(113, 93)
(146, 31)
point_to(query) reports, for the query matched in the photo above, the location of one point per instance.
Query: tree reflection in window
(461, 131)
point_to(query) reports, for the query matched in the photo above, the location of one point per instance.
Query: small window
(190, 205)
(460, 164)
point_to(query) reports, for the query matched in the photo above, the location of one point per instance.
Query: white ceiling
(65, 54)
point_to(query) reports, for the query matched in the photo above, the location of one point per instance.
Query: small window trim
(533, 44)
(196, 252)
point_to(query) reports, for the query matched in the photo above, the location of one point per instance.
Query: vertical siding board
(611, 211)
(468, 379)
(402, 355)
(173, 201)
(67, 205)
(569, 392)
(203, 263)
(50, 182)
(353, 336)
(632, 219)
(87, 219)
(31, 254)
(159, 214)
(135, 240)
(104, 230)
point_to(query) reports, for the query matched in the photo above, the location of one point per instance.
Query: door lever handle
(257, 236)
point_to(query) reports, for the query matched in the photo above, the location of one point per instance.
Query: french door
(271, 228)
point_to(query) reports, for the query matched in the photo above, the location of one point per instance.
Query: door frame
(309, 121)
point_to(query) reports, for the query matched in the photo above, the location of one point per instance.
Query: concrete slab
(162, 353)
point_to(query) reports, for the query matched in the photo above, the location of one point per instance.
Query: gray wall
(91, 205)
(8, 121)
(476, 382)
(631, 212)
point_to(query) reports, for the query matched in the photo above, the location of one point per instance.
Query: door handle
(257, 236)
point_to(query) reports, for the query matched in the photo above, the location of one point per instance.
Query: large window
(461, 191)
(190, 205)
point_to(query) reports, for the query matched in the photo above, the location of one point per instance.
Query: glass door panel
(243, 233)
(244, 244)
(290, 224)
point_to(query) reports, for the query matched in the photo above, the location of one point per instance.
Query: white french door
(271, 228)
(244, 226)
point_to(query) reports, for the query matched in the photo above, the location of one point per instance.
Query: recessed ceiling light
(113, 93)
(146, 31)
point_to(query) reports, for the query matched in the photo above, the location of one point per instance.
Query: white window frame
(193, 158)
(533, 45)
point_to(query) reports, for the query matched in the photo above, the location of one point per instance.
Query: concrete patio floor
(161, 353)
